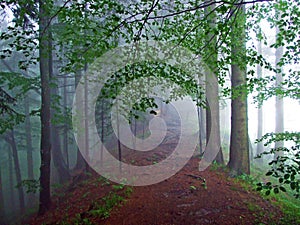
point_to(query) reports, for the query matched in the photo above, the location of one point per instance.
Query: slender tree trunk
(11, 180)
(11, 140)
(212, 88)
(239, 146)
(86, 121)
(80, 162)
(118, 141)
(260, 147)
(57, 155)
(66, 126)
(45, 200)
(199, 127)
(102, 131)
(2, 209)
(30, 174)
(279, 123)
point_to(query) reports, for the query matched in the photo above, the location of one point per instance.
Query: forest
(149, 112)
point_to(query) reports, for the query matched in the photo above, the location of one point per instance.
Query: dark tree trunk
(11, 140)
(2, 209)
(11, 180)
(239, 146)
(45, 200)
(30, 174)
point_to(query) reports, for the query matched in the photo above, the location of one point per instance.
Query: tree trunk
(11, 180)
(86, 121)
(58, 159)
(11, 140)
(80, 162)
(279, 123)
(66, 126)
(212, 89)
(260, 147)
(2, 210)
(45, 200)
(199, 127)
(239, 146)
(30, 174)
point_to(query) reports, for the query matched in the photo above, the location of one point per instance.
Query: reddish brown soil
(182, 199)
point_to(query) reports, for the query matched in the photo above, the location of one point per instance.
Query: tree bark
(57, 155)
(11, 180)
(30, 173)
(2, 210)
(44, 200)
(279, 123)
(11, 140)
(66, 126)
(80, 162)
(239, 146)
(260, 147)
(212, 88)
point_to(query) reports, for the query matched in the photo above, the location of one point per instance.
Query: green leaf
(269, 173)
(282, 189)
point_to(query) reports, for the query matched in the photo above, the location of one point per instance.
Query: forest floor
(182, 199)
(189, 197)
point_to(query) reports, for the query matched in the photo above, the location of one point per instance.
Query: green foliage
(285, 168)
(17, 87)
(31, 186)
(109, 201)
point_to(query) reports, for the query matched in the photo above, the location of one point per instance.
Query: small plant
(285, 168)
(103, 181)
(128, 191)
(31, 186)
(204, 185)
(80, 221)
(109, 201)
(118, 187)
(193, 188)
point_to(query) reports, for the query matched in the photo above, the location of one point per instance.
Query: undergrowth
(288, 204)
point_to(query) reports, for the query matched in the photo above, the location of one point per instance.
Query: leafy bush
(285, 168)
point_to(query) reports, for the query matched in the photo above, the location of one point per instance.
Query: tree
(57, 155)
(239, 146)
(44, 56)
(259, 149)
(279, 113)
(2, 211)
(212, 86)
(10, 138)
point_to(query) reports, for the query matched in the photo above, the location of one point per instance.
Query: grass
(288, 204)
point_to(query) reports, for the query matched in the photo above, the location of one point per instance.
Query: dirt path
(183, 199)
